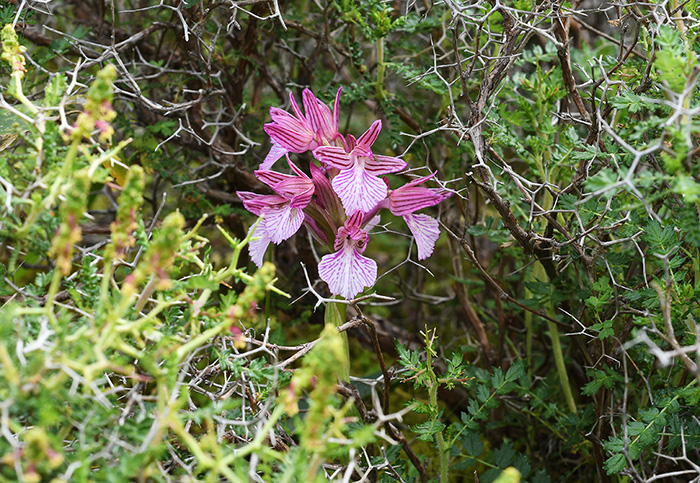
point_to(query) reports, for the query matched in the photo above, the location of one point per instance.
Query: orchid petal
(335, 156)
(286, 120)
(418, 181)
(276, 152)
(293, 137)
(281, 222)
(368, 138)
(256, 203)
(336, 110)
(319, 115)
(351, 143)
(347, 272)
(293, 186)
(257, 248)
(372, 223)
(295, 107)
(270, 178)
(325, 195)
(425, 230)
(301, 200)
(377, 165)
(359, 190)
(296, 169)
(408, 199)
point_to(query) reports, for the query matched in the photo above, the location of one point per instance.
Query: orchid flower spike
(347, 272)
(299, 133)
(408, 199)
(283, 212)
(357, 184)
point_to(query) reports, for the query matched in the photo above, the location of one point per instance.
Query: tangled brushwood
(203, 280)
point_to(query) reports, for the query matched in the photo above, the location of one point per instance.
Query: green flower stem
(540, 274)
(18, 94)
(335, 315)
(432, 392)
(381, 68)
(561, 366)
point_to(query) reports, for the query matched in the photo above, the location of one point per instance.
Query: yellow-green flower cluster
(130, 202)
(69, 232)
(161, 253)
(98, 111)
(12, 52)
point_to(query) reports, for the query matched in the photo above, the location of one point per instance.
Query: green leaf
(426, 430)
(615, 464)
(503, 456)
(472, 444)
(516, 371)
(628, 100)
(603, 179)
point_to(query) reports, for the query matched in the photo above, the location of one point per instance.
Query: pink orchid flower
(357, 184)
(282, 213)
(299, 133)
(347, 272)
(408, 199)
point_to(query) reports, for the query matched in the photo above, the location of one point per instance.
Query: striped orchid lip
(358, 184)
(347, 272)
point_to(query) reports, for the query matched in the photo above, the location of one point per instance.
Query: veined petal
(336, 110)
(351, 143)
(368, 138)
(425, 230)
(276, 152)
(295, 139)
(301, 200)
(335, 156)
(296, 169)
(257, 248)
(270, 178)
(347, 272)
(293, 186)
(417, 181)
(325, 195)
(281, 222)
(255, 203)
(408, 199)
(286, 120)
(315, 229)
(377, 165)
(358, 190)
(295, 107)
(319, 115)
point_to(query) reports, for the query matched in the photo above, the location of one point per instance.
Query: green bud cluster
(12, 51)
(130, 202)
(71, 212)
(98, 111)
(161, 253)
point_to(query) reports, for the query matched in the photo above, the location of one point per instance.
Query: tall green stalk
(335, 315)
